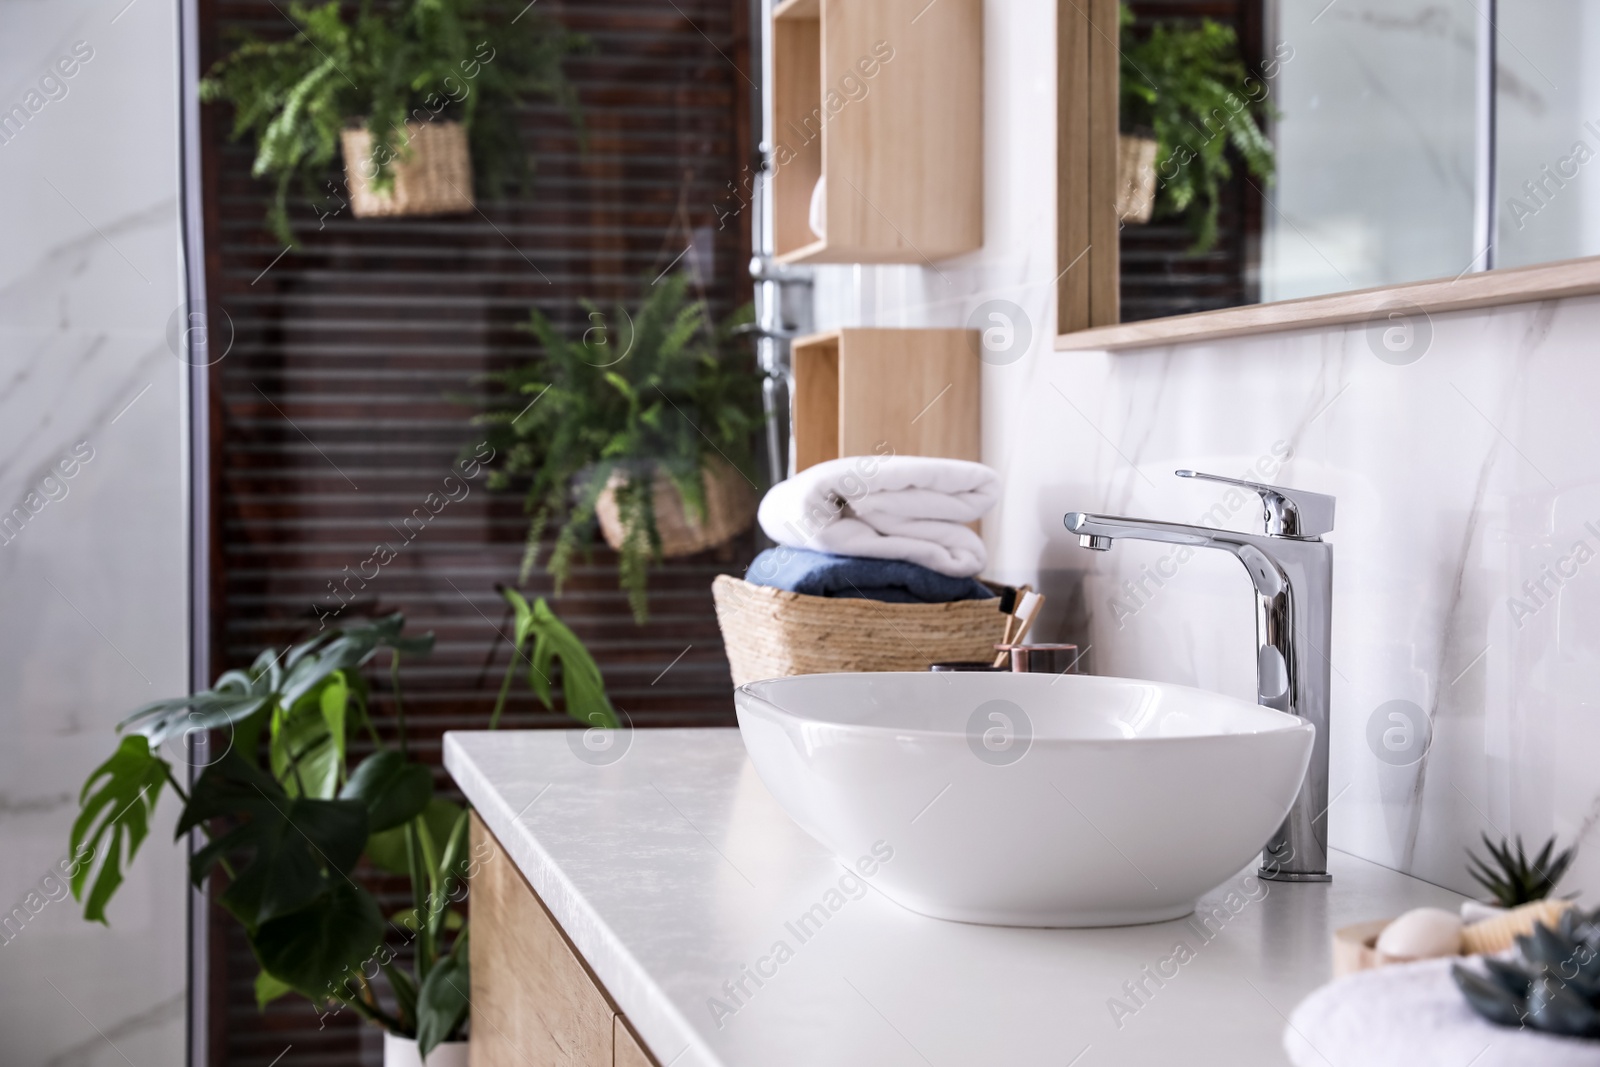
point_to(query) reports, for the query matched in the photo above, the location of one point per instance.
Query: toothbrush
(1017, 597)
(1027, 612)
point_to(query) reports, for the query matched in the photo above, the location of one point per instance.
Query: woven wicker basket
(730, 507)
(770, 633)
(1136, 178)
(432, 174)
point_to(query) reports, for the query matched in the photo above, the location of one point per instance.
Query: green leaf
(210, 710)
(309, 664)
(582, 686)
(387, 850)
(394, 790)
(303, 750)
(405, 993)
(314, 949)
(406, 919)
(297, 849)
(334, 705)
(443, 1000)
(451, 868)
(116, 803)
(269, 989)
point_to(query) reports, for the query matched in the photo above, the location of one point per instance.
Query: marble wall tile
(1461, 476)
(93, 586)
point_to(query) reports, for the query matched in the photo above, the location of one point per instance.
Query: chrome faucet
(1292, 569)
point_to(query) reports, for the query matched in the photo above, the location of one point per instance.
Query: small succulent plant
(1512, 880)
(1552, 984)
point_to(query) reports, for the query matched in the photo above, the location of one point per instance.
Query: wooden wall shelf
(883, 98)
(858, 392)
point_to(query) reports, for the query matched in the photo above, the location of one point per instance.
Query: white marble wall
(1460, 476)
(93, 586)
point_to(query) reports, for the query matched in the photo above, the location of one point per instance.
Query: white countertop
(673, 871)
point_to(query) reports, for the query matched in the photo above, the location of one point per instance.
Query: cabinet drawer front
(533, 1000)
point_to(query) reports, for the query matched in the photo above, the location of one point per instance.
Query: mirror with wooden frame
(1228, 167)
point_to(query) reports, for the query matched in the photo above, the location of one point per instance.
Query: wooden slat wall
(334, 419)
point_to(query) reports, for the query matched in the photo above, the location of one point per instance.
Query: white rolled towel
(886, 507)
(1412, 1015)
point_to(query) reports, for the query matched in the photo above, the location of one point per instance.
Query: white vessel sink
(1027, 799)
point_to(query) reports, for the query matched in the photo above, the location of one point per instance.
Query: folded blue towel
(893, 581)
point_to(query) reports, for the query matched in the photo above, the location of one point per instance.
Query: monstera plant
(288, 812)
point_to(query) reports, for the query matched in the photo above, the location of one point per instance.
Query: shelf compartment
(865, 391)
(883, 99)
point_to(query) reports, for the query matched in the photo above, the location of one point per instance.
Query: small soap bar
(1421, 934)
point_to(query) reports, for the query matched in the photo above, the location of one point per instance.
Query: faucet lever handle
(1288, 512)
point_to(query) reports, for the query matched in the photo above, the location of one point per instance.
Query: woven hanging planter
(730, 508)
(432, 172)
(770, 633)
(1136, 178)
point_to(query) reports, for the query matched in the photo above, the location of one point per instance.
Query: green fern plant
(657, 388)
(471, 61)
(1511, 879)
(1187, 83)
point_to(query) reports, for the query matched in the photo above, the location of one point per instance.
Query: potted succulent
(1513, 880)
(288, 814)
(1550, 982)
(402, 93)
(641, 428)
(1186, 96)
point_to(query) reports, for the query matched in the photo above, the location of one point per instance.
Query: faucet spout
(1110, 527)
(1261, 554)
(1293, 580)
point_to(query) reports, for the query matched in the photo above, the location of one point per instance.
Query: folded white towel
(1412, 1015)
(886, 507)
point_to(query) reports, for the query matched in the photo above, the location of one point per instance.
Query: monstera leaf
(314, 950)
(297, 849)
(387, 849)
(582, 688)
(443, 1000)
(116, 804)
(306, 665)
(393, 790)
(235, 698)
(307, 746)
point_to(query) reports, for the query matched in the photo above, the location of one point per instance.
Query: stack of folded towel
(890, 528)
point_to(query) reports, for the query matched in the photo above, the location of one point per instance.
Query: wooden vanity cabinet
(534, 1000)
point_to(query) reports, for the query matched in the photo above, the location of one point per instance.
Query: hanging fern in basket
(468, 61)
(655, 391)
(1187, 84)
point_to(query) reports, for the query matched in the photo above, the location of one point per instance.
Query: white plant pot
(402, 1052)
